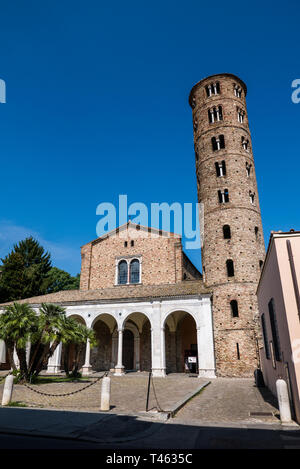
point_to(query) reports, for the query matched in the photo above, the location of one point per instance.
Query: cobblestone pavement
(228, 400)
(128, 393)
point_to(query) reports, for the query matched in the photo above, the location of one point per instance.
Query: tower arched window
(234, 308)
(230, 268)
(252, 197)
(215, 114)
(134, 271)
(218, 143)
(240, 115)
(226, 232)
(220, 169)
(122, 273)
(212, 89)
(223, 196)
(237, 91)
(245, 143)
(248, 169)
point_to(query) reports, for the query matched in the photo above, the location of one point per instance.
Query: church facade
(151, 309)
(146, 303)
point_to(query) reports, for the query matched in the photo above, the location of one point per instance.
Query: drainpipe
(294, 276)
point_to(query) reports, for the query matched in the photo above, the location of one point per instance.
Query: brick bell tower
(232, 238)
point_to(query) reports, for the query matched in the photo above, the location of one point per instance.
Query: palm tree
(50, 322)
(81, 335)
(18, 325)
(75, 334)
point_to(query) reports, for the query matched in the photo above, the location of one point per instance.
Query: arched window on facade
(134, 271)
(226, 232)
(122, 273)
(230, 268)
(234, 308)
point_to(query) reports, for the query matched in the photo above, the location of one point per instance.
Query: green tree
(24, 271)
(58, 280)
(20, 324)
(50, 332)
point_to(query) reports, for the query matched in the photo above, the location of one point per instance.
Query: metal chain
(154, 392)
(68, 393)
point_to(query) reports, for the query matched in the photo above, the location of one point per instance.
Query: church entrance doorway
(128, 349)
(181, 343)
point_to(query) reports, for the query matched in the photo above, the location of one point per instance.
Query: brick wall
(161, 256)
(246, 246)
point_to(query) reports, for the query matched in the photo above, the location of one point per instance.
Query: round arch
(78, 318)
(108, 318)
(137, 341)
(174, 310)
(102, 357)
(181, 349)
(135, 313)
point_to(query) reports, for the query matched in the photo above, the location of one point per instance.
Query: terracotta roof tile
(123, 293)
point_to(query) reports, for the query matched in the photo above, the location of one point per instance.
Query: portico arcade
(143, 336)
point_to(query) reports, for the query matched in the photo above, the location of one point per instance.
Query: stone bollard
(8, 389)
(105, 394)
(283, 401)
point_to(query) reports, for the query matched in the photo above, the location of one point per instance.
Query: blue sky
(97, 106)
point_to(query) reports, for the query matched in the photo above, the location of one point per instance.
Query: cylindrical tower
(232, 246)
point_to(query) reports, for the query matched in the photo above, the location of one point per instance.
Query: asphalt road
(173, 436)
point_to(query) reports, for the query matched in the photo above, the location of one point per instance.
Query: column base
(119, 371)
(53, 369)
(206, 373)
(159, 372)
(86, 369)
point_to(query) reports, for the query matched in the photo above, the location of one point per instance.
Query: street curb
(179, 404)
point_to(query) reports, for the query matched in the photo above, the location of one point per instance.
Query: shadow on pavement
(44, 429)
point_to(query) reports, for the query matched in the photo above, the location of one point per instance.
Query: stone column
(205, 346)
(137, 353)
(114, 351)
(55, 361)
(163, 350)
(87, 367)
(173, 351)
(119, 369)
(157, 358)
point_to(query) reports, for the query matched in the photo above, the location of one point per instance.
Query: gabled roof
(129, 224)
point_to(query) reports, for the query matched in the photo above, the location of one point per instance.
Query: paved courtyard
(223, 400)
(231, 400)
(128, 393)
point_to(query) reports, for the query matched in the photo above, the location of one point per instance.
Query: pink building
(279, 308)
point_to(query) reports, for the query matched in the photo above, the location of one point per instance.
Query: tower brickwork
(233, 247)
